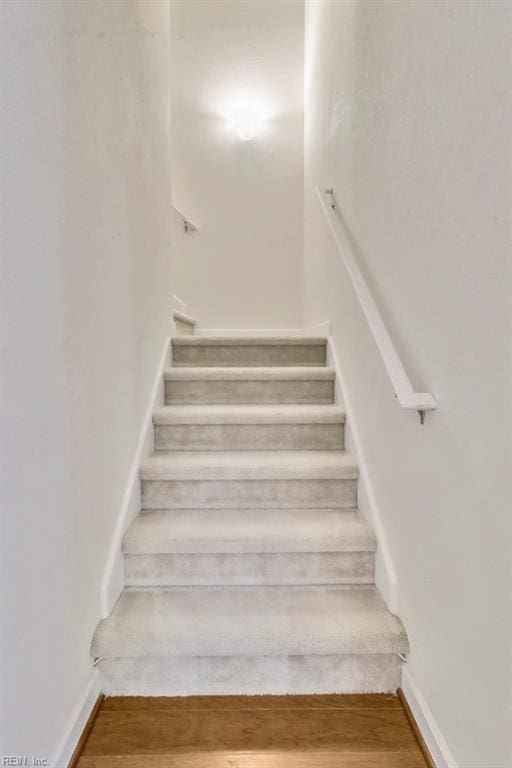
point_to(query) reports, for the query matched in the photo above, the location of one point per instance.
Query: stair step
(249, 465)
(249, 569)
(248, 530)
(258, 479)
(184, 323)
(246, 427)
(209, 547)
(226, 621)
(249, 675)
(264, 385)
(248, 351)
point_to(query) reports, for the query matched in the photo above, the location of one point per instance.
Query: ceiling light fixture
(245, 121)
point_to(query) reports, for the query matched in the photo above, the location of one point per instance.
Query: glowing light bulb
(245, 121)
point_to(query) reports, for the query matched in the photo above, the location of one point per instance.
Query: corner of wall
(77, 722)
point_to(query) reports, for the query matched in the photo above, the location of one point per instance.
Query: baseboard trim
(321, 329)
(415, 729)
(113, 578)
(385, 573)
(429, 736)
(85, 733)
(79, 724)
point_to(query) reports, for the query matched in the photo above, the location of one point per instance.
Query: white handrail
(407, 397)
(188, 225)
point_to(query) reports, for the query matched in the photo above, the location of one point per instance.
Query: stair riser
(249, 569)
(256, 494)
(216, 392)
(249, 675)
(251, 355)
(231, 437)
(183, 328)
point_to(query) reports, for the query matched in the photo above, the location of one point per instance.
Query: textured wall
(243, 269)
(85, 202)
(407, 115)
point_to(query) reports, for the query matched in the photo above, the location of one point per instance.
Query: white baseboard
(385, 574)
(321, 329)
(113, 578)
(76, 722)
(426, 723)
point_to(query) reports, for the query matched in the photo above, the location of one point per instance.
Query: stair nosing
(222, 620)
(249, 341)
(243, 465)
(248, 414)
(250, 373)
(184, 318)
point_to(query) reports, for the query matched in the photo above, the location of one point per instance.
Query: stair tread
(244, 373)
(249, 414)
(242, 531)
(249, 465)
(183, 317)
(225, 621)
(249, 341)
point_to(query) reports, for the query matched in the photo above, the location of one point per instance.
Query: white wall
(243, 269)
(407, 115)
(86, 287)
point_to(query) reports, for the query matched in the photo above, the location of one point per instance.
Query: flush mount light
(245, 121)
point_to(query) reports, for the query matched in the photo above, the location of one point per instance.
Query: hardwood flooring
(358, 731)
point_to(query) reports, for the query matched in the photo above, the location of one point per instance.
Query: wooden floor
(370, 731)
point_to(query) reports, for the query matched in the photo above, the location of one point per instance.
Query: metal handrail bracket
(188, 225)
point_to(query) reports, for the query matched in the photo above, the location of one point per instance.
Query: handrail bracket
(188, 226)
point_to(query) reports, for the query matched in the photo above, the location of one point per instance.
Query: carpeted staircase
(249, 569)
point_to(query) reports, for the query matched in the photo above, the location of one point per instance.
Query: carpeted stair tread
(238, 531)
(215, 351)
(249, 414)
(232, 384)
(220, 621)
(249, 568)
(271, 373)
(249, 465)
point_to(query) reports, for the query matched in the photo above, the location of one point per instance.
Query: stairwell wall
(242, 269)
(86, 287)
(407, 116)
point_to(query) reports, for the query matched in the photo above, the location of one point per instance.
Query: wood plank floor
(360, 731)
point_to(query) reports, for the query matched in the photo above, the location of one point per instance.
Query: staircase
(249, 569)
